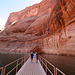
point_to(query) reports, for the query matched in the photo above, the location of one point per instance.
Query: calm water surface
(8, 58)
(64, 63)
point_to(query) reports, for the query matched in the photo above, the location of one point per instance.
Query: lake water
(64, 63)
(8, 58)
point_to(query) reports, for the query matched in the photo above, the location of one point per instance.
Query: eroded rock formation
(48, 27)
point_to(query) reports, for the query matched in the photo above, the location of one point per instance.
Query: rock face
(47, 27)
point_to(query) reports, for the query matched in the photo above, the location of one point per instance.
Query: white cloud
(2, 23)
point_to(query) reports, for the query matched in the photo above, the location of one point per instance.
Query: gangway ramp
(31, 68)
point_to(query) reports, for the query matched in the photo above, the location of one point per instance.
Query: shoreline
(8, 52)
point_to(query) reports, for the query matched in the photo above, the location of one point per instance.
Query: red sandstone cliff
(47, 27)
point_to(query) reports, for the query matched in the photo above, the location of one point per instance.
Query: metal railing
(16, 63)
(1, 70)
(47, 65)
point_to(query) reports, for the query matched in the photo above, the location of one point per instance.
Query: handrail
(17, 62)
(47, 68)
(13, 68)
(59, 71)
(1, 70)
(13, 62)
(44, 62)
(47, 61)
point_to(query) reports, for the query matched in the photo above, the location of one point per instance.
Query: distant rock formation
(47, 27)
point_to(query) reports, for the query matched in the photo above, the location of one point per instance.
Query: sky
(8, 6)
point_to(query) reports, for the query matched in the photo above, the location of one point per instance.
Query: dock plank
(31, 68)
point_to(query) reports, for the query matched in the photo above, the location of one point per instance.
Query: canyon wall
(47, 27)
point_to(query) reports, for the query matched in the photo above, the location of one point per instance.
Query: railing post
(40, 59)
(17, 66)
(22, 61)
(4, 70)
(46, 68)
(54, 70)
(41, 62)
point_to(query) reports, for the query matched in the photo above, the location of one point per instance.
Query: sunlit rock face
(47, 27)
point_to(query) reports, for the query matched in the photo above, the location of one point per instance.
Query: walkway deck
(31, 68)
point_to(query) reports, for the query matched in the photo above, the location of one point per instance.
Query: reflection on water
(7, 58)
(64, 63)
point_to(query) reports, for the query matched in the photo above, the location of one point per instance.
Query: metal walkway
(31, 68)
